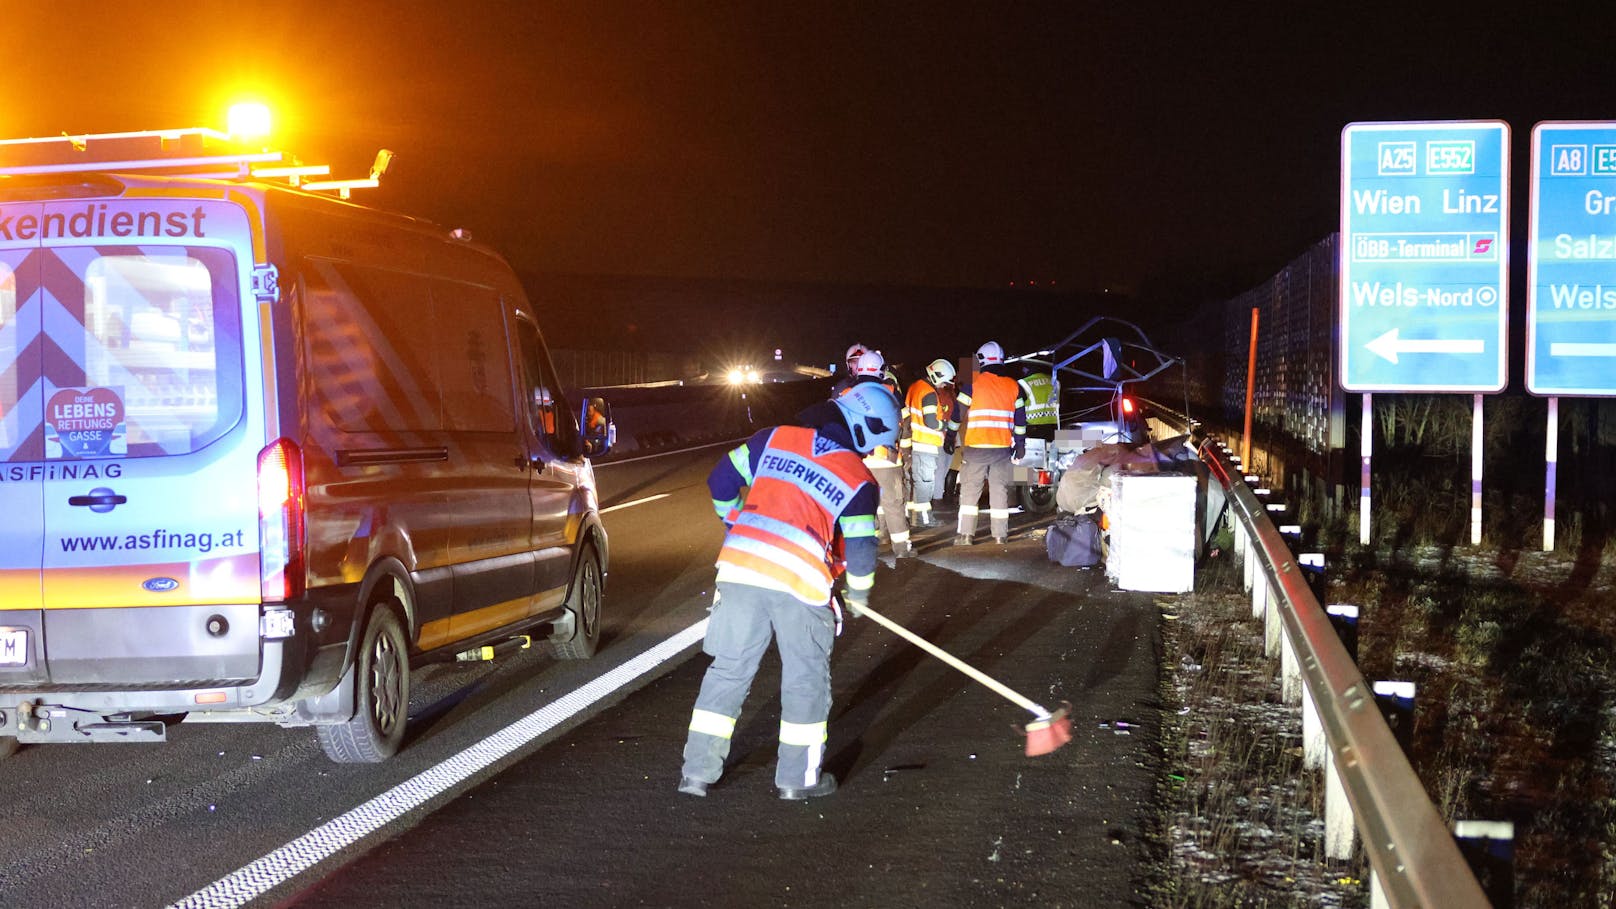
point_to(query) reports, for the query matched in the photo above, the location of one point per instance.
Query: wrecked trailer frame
(1108, 356)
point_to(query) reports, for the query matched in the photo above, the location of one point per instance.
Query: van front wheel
(382, 690)
(583, 608)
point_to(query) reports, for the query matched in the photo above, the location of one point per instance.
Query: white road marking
(664, 454)
(263, 874)
(660, 495)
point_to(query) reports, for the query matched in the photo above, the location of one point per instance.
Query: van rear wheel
(382, 690)
(8, 745)
(583, 608)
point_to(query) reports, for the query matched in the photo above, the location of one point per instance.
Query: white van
(262, 450)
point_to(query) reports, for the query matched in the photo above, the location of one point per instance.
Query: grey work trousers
(989, 466)
(923, 476)
(738, 634)
(894, 516)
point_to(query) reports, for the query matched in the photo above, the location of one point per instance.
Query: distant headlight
(736, 377)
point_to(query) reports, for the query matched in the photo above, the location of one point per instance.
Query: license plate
(13, 646)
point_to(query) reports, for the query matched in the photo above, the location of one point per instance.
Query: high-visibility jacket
(926, 421)
(990, 412)
(1041, 406)
(781, 537)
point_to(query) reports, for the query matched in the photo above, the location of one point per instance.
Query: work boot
(1000, 539)
(689, 785)
(903, 550)
(825, 786)
(962, 539)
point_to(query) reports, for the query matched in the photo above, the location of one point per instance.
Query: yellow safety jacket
(1041, 409)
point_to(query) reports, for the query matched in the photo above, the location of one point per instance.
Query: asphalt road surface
(528, 781)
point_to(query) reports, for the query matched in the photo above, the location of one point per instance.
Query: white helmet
(870, 363)
(871, 412)
(940, 371)
(853, 353)
(989, 354)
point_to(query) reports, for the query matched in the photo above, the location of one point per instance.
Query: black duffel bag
(1074, 541)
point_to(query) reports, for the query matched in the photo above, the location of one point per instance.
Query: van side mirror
(599, 432)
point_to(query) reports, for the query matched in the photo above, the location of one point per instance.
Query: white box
(1152, 518)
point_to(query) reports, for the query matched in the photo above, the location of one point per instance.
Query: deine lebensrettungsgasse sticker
(85, 423)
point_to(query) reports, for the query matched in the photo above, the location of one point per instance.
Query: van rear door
(150, 487)
(22, 510)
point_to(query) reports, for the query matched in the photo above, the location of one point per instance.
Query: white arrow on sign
(1581, 349)
(1389, 346)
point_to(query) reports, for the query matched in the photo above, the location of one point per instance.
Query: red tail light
(1127, 406)
(280, 521)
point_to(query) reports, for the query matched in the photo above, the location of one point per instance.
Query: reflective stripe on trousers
(923, 474)
(738, 634)
(985, 467)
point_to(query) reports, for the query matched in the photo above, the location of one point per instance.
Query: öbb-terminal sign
(1571, 283)
(1424, 256)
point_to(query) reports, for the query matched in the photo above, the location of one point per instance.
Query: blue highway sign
(1571, 270)
(1425, 256)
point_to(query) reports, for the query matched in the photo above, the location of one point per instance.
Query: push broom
(1048, 730)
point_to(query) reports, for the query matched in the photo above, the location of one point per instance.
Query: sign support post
(1551, 457)
(1476, 436)
(1366, 450)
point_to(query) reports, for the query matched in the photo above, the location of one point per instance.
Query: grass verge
(1239, 820)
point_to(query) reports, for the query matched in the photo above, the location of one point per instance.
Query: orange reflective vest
(990, 418)
(920, 407)
(782, 537)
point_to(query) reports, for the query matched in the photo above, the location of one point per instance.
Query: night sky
(1155, 148)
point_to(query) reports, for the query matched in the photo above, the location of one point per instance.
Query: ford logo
(160, 585)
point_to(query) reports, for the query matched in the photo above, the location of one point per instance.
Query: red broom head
(1044, 736)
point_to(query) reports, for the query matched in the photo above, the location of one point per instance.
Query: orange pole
(1251, 388)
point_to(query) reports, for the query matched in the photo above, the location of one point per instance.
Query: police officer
(804, 485)
(1043, 410)
(994, 413)
(925, 423)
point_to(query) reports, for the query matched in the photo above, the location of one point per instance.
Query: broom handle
(999, 687)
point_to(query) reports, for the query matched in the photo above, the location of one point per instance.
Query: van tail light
(280, 521)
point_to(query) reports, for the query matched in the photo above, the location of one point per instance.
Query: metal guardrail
(1370, 787)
